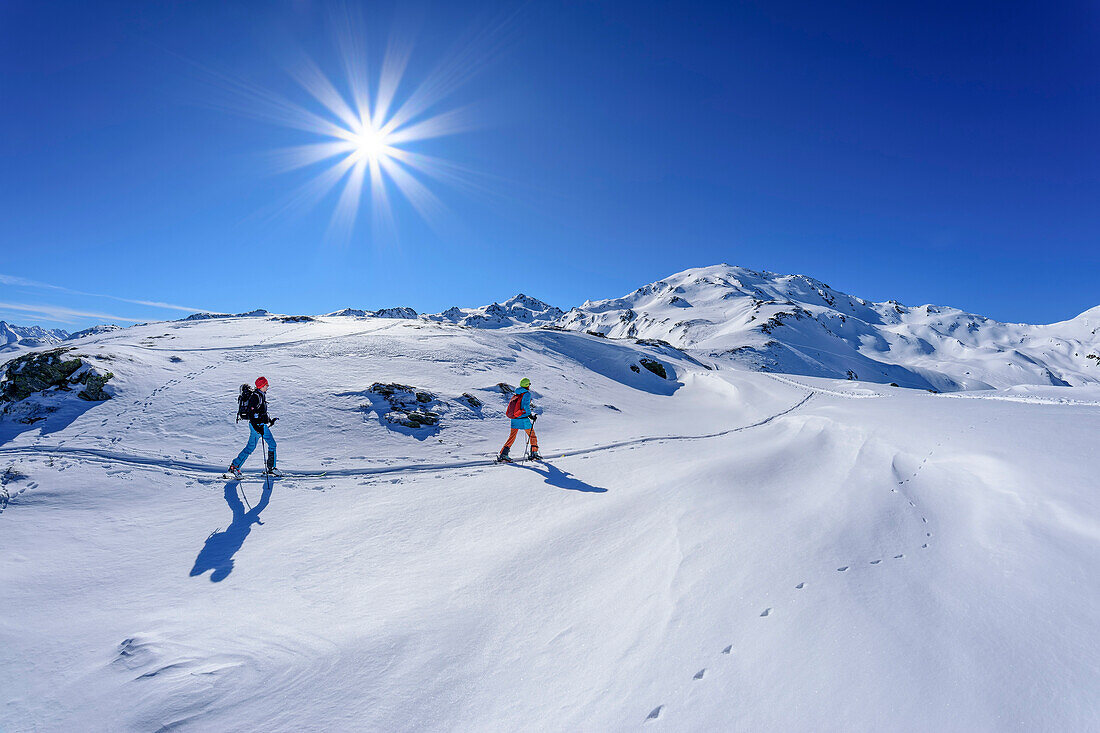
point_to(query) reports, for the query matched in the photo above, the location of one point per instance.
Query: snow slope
(718, 550)
(795, 324)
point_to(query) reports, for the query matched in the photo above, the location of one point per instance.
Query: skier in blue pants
(258, 426)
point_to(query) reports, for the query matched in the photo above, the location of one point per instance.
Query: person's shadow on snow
(562, 479)
(217, 554)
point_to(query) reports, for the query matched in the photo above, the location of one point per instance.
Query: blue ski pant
(253, 439)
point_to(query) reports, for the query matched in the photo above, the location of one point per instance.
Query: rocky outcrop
(30, 385)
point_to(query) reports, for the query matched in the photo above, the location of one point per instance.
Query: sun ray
(347, 208)
(398, 51)
(362, 137)
(314, 81)
(452, 122)
(426, 203)
(284, 160)
(383, 225)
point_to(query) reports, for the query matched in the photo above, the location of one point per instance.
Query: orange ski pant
(530, 434)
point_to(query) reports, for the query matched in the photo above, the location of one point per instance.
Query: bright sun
(371, 144)
(364, 128)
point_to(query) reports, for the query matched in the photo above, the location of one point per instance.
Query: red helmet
(261, 382)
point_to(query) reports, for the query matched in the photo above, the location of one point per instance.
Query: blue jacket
(523, 423)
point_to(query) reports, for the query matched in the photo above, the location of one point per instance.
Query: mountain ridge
(797, 324)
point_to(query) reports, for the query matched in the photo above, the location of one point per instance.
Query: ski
(264, 475)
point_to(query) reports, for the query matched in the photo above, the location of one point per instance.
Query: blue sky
(929, 152)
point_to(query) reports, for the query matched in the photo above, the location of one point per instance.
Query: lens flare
(363, 127)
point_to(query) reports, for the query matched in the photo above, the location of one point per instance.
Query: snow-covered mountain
(13, 337)
(713, 549)
(519, 310)
(798, 325)
(400, 312)
(94, 331)
(781, 323)
(259, 312)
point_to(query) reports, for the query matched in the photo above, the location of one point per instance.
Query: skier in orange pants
(519, 410)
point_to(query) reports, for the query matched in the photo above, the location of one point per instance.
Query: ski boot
(503, 457)
(534, 456)
(235, 472)
(269, 466)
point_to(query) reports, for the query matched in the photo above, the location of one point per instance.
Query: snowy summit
(796, 324)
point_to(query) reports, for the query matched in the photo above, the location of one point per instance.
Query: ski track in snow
(661, 709)
(212, 472)
(823, 390)
(1025, 399)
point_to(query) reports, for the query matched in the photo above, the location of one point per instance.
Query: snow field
(825, 561)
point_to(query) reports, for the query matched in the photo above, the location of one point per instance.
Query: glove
(272, 422)
(533, 418)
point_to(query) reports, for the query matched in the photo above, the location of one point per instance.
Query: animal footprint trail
(842, 569)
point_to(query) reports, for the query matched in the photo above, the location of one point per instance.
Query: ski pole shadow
(562, 479)
(217, 554)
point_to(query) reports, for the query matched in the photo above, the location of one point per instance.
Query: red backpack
(515, 407)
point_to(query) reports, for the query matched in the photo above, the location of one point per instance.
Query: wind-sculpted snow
(714, 549)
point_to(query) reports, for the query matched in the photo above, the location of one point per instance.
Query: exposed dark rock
(38, 372)
(654, 342)
(654, 366)
(777, 320)
(35, 372)
(399, 312)
(468, 399)
(408, 405)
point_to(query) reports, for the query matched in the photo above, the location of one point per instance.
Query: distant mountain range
(13, 337)
(779, 323)
(520, 310)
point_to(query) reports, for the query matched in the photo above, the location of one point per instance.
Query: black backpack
(242, 402)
